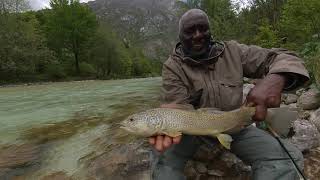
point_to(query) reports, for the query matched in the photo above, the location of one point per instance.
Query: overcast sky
(39, 4)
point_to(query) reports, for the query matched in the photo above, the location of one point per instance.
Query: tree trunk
(76, 58)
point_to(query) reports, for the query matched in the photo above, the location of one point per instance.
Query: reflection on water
(54, 128)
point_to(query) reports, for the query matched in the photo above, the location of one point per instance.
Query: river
(58, 122)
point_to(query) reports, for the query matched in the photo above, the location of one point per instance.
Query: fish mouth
(124, 127)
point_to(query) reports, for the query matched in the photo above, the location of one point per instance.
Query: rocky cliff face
(150, 24)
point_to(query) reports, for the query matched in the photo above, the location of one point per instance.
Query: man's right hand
(163, 142)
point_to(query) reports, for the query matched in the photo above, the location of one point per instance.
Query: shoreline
(19, 84)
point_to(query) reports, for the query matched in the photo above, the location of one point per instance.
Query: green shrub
(56, 71)
(87, 69)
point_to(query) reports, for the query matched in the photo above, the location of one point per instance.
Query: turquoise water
(26, 107)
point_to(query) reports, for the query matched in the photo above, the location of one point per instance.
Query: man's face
(196, 37)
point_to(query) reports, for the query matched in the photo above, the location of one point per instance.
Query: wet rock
(201, 167)
(289, 98)
(208, 153)
(312, 164)
(57, 176)
(216, 172)
(130, 161)
(315, 118)
(14, 156)
(190, 171)
(309, 100)
(306, 135)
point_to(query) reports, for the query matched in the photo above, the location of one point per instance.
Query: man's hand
(163, 142)
(266, 94)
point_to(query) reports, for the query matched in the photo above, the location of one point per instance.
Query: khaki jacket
(218, 81)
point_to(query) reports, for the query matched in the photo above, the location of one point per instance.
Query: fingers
(167, 141)
(176, 140)
(152, 140)
(273, 101)
(162, 143)
(261, 112)
(159, 143)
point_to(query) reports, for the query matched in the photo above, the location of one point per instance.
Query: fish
(175, 122)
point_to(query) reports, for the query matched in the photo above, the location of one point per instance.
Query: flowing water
(51, 128)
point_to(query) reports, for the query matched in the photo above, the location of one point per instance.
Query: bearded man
(203, 73)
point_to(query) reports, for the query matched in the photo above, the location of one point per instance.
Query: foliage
(266, 37)
(301, 20)
(68, 40)
(311, 54)
(69, 27)
(23, 48)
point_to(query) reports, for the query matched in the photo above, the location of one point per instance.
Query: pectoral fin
(225, 140)
(173, 134)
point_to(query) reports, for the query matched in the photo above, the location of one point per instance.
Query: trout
(175, 122)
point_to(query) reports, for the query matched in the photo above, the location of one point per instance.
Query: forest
(69, 42)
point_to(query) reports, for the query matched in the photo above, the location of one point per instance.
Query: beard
(196, 48)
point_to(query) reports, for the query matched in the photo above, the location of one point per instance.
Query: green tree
(69, 27)
(23, 49)
(108, 54)
(223, 19)
(301, 21)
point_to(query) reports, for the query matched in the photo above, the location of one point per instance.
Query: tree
(301, 20)
(70, 26)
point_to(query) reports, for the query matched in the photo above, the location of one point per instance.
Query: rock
(299, 92)
(306, 135)
(304, 115)
(312, 164)
(57, 176)
(18, 156)
(127, 162)
(207, 153)
(246, 90)
(309, 100)
(315, 118)
(290, 98)
(201, 167)
(216, 172)
(189, 171)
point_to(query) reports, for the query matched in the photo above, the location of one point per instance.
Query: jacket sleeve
(173, 90)
(257, 62)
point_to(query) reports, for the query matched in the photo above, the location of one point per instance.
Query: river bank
(74, 79)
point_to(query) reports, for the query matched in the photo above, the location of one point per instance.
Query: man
(202, 73)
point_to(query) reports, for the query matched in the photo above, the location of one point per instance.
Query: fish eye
(131, 119)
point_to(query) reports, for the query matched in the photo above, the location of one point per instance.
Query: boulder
(289, 98)
(315, 118)
(312, 164)
(309, 100)
(306, 135)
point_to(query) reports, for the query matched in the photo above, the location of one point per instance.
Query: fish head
(144, 123)
(246, 114)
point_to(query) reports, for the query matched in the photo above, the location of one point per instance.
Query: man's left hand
(266, 94)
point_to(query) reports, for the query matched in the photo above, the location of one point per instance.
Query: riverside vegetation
(71, 40)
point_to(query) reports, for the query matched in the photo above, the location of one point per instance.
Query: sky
(40, 4)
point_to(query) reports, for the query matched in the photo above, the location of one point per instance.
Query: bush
(55, 71)
(87, 69)
(311, 53)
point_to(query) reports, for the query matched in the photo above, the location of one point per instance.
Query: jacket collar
(217, 49)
